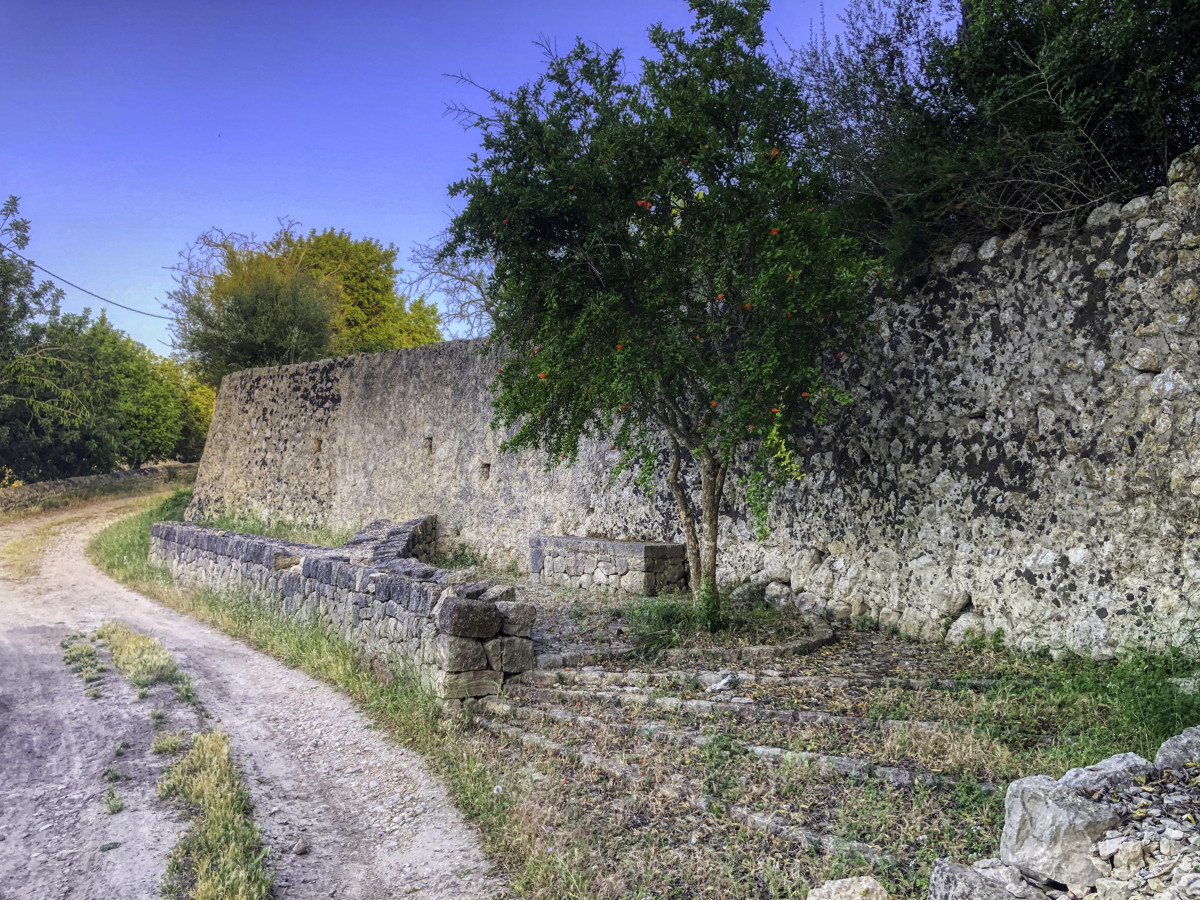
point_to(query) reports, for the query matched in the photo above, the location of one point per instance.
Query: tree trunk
(688, 519)
(712, 485)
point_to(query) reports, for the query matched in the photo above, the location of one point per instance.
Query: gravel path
(376, 823)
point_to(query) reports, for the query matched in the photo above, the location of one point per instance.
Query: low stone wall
(14, 498)
(464, 637)
(628, 567)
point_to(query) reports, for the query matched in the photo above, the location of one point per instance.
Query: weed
(83, 661)
(320, 535)
(458, 556)
(111, 845)
(112, 775)
(113, 801)
(708, 607)
(92, 693)
(158, 718)
(719, 750)
(656, 623)
(120, 749)
(864, 623)
(168, 744)
(222, 854)
(140, 658)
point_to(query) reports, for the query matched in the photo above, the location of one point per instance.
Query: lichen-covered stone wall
(1022, 452)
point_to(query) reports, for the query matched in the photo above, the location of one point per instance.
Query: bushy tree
(370, 314)
(30, 363)
(257, 309)
(196, 409)
(130, 409)
(942, 122)
(241, 302)
(666, 277)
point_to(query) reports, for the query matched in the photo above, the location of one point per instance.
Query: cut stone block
(467, 618)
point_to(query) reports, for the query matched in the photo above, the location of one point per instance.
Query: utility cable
(140, 312)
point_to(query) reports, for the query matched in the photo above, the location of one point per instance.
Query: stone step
(600, 675)
(823, 843)
(827, 764)
(632, 697)
(822, 635)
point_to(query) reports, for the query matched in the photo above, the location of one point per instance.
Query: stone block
(1176, 752)
(494, 650)
(463, 617)
(634, 582)
(516, 619)
(458, 654)
(1118, 771)
(500, 595)
(517, 655)
(1049, 831)
(461, 685)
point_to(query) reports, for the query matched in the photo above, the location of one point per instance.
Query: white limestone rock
(1049, 831)
(1115, 772)
(866, 888)
(953, 881)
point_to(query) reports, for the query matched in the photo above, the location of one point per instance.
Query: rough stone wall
(624, 567)
(464, 638)
(1021, 453)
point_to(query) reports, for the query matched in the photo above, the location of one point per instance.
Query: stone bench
(625, 567)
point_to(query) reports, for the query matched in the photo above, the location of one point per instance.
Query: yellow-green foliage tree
(370, 315)
(242, 303)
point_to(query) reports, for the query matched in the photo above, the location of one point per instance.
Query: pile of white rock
(1123, 829)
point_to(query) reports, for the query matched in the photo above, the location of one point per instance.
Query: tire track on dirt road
(375, 822)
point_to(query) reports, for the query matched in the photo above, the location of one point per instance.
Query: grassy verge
(125, 487)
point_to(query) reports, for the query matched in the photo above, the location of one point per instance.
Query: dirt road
(376, 824)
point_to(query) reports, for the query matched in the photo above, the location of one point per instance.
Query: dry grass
(140, 658)
(221, 857)
(21, 558)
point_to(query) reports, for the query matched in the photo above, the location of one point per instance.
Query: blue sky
(128, 128)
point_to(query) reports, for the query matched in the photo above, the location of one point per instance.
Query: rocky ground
(372, 823)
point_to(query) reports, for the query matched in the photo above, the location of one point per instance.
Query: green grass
(321, 535)
(458, 556)
(168, 744)
(82, 659)
(675, 620)
(222, 856)
(140, 658)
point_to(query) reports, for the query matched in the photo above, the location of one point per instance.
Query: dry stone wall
(626, 567)
(464, 638)
(1021, 453)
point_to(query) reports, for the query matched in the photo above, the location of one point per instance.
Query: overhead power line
(140, 312)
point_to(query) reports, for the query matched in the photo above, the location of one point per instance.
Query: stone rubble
(1123, 829)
